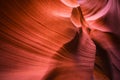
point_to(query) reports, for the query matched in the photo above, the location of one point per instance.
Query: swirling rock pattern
(59, 40)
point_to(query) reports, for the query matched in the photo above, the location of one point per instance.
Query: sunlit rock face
(59, 40)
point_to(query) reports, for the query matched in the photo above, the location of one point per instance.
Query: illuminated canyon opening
(59, 39)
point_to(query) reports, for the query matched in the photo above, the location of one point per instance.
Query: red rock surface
(59, 40)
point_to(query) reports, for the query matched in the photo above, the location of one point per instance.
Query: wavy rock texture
(59, 40)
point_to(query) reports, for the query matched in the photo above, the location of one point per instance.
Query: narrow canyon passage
(59, 40)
